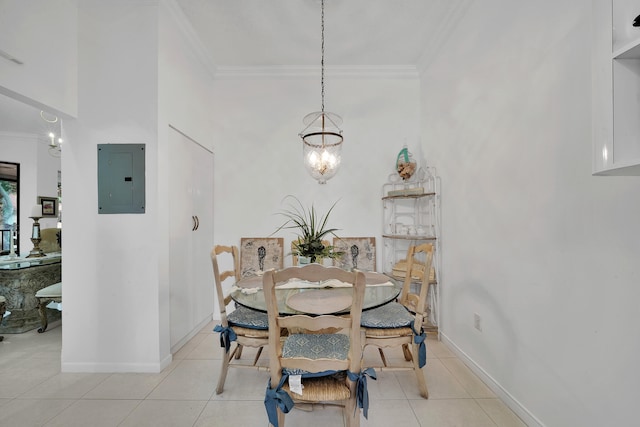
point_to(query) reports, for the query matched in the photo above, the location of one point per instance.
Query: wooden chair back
(417, 302)
(314, 324)
(316, 389)
(231, 252)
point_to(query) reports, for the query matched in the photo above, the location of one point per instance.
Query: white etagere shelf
(411, 216)
(616, 88)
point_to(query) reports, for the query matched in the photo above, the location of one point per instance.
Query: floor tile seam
(122, 399)
(196, 419)
(97, 385)
(481, 407)
(249, 399)
(420, 398)
(129, 414)
(462, 383)
(37, 385)
(174, 399)
(406, 396)
(71, 402)
(164, 399)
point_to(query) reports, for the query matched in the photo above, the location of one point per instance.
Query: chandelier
(322, 136)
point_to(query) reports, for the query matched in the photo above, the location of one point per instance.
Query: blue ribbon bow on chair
(227, 335)
(362, 393)
(419, 339)
(277, 398)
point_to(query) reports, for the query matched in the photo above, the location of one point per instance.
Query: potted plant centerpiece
(312, 230)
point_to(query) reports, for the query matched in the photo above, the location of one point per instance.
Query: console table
(20, 279)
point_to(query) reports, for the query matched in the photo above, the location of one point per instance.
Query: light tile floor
(33, 392)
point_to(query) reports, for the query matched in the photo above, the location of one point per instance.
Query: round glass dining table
(380, 290)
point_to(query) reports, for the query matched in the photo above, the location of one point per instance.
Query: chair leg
(238, 351)
(223, 371)
(280, 418)
(422, 382)
(351, 414)
(384, 359)
(258, 353)
(42, 310)
(407, 352)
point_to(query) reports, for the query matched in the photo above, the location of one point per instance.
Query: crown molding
(447, 25)
(192, 37)
(294, 71)
(21, 135)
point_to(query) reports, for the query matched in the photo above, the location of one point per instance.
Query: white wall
(111, 261)
(544, 252)
(42, 35)
(259, 153)
(132, 66)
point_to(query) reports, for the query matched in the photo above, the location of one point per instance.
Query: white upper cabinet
(616, 88)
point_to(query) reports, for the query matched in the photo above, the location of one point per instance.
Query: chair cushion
(392, 315)
(316, 346)
(248, 318)
(54, 290)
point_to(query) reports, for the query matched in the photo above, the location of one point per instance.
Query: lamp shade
(322, 145)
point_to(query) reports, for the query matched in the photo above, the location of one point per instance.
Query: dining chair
(258, 254)
(244, 326)
(357, 253)
(321, 360)
(400, 324)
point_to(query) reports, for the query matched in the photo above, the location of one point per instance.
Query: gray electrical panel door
(121, 178)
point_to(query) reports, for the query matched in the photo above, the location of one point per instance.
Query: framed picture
(357, 252)
(49, 206)
(259, 254)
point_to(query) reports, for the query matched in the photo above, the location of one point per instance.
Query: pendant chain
(322, 60)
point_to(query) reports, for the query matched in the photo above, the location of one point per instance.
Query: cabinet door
(202, 237)
(191, 229)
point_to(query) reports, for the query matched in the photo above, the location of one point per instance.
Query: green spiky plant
(312, 229)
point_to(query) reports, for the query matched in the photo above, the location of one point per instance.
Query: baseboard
(177, 346)
(500, 391)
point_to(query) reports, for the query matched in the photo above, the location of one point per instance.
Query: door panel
(191, 229)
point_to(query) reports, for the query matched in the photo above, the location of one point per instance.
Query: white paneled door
(191, 237)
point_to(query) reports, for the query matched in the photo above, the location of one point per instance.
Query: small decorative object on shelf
(405, 165)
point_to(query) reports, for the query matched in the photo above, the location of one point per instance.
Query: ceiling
(276, 33)
(244, 33)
